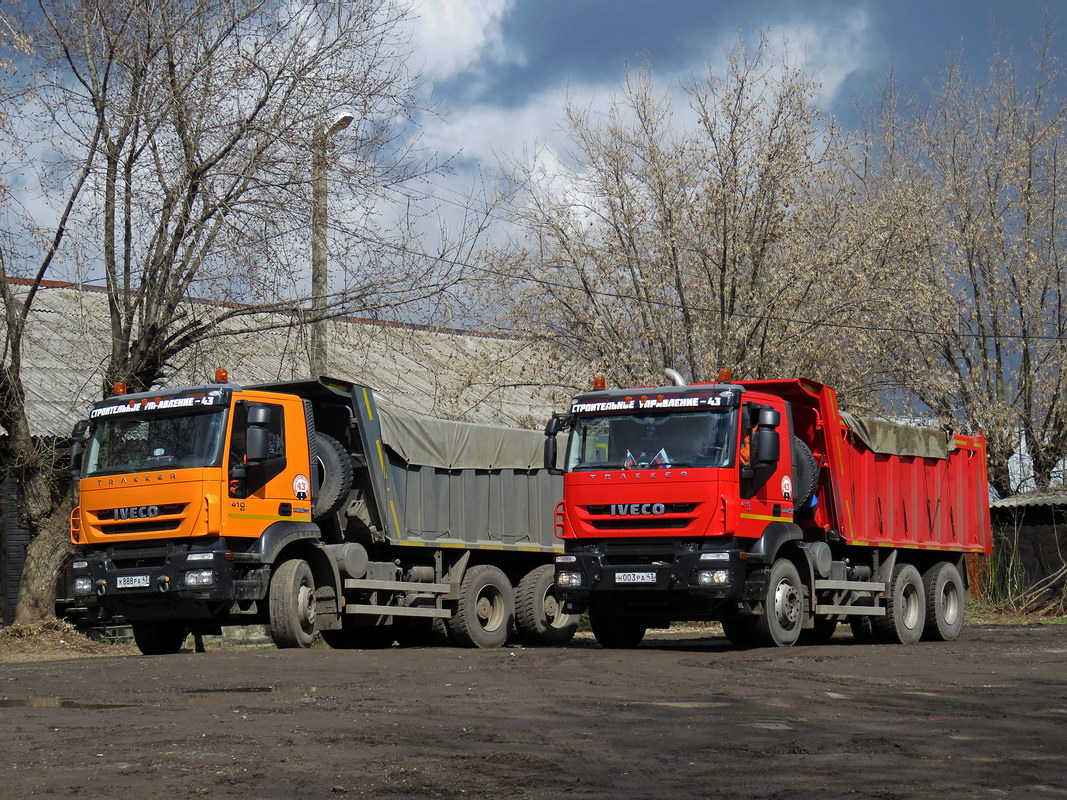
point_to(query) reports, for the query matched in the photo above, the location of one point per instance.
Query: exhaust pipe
(674, 376)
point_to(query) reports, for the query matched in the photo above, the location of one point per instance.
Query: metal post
(319, 280)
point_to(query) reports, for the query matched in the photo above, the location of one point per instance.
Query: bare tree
(184, 130)
(728, 241)
(980, 336)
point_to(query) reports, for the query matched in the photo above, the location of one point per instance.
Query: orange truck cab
(305, 506)
(759, 504)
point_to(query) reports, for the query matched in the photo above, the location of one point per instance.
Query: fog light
(79, 565)
(569, 580)
(712, 577)
(566, 559)
(83, 586)
(200, 577)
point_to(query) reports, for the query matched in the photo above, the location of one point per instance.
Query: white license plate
(132, 582)
(635, 577)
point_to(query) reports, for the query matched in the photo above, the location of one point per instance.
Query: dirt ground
(679, 717)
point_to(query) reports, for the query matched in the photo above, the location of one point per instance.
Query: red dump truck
(761, 505)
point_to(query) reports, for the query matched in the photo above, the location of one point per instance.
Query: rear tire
(905, 608)
(159, 637)
(292, 604)
(946, 599)
(863, 630)
(539, 615)
(485, 608)
(783, 607)
(615, 632)
(333, 479)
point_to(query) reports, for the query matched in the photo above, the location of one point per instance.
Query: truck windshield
(653, 441)
(148, 442)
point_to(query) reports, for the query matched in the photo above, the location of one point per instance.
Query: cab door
(766, 486)
(276, 488)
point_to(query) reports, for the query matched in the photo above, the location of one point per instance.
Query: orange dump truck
(306, 506)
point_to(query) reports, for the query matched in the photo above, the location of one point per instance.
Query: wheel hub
(787, 603)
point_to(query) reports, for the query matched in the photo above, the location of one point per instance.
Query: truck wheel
(363, 637)
(159, 638)
(738, 630)
(945, 601)
(805, 472)
(614, 631)
(862, 630)
(292, 604)
(333, 478)
(484, 610)
(439, 635)
(905, 608)
(821, 632)
(539, 613)
(783, 607)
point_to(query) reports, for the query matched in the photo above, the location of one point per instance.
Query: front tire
(905, 608)
(615, 632)
(783, 607)
(539, 613)
(485, 608)
(292, 604)
(945, 602)
(159, 637)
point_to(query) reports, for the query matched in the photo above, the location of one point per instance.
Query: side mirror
(767, 442)
(769, 418)
(258, 416)
(257, 441)
(76, 449)
(80, 427)
(550, 456)
(552, 426)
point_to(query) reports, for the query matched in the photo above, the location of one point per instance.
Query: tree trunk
(45, 558)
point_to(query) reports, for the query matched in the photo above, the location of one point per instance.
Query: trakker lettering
(637, 510)
(136, 512)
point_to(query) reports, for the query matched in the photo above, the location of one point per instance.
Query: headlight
(200, 557)
(713, 577)
(79, 565)
(566, 559)
(83, 586)
(200, 577)
(569, 580)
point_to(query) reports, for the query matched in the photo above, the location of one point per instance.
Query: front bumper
(152, 582)
(653, 577)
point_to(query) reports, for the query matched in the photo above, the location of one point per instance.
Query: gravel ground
(684, 715)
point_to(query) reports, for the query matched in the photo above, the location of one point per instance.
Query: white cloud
(451, 36)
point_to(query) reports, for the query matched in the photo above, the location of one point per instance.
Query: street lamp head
(340, 123)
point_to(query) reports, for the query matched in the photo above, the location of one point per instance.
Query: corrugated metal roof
(1048, 497)
(450, 374)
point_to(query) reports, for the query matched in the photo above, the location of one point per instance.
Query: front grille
(615, 524)
(668, 508)
(152, 526)
(164, 510)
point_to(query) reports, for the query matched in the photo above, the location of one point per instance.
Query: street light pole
(319, 282)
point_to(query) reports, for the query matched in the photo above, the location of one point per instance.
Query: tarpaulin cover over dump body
(467, 485)
(889, 484)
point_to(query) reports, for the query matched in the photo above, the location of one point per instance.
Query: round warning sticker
(787, 487)
(301, 487)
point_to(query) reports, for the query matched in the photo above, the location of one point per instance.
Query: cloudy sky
(499, 70)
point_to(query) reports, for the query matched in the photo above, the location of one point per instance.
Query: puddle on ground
(234, 689)
(55, 702)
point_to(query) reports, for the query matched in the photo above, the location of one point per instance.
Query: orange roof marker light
(725, 376)
(119, 387)
(599, 383)
(222, 376)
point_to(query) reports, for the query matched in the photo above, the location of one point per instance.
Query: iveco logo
(137, 512)
(638, 509)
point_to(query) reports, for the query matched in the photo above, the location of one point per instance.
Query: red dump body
(884, 499)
